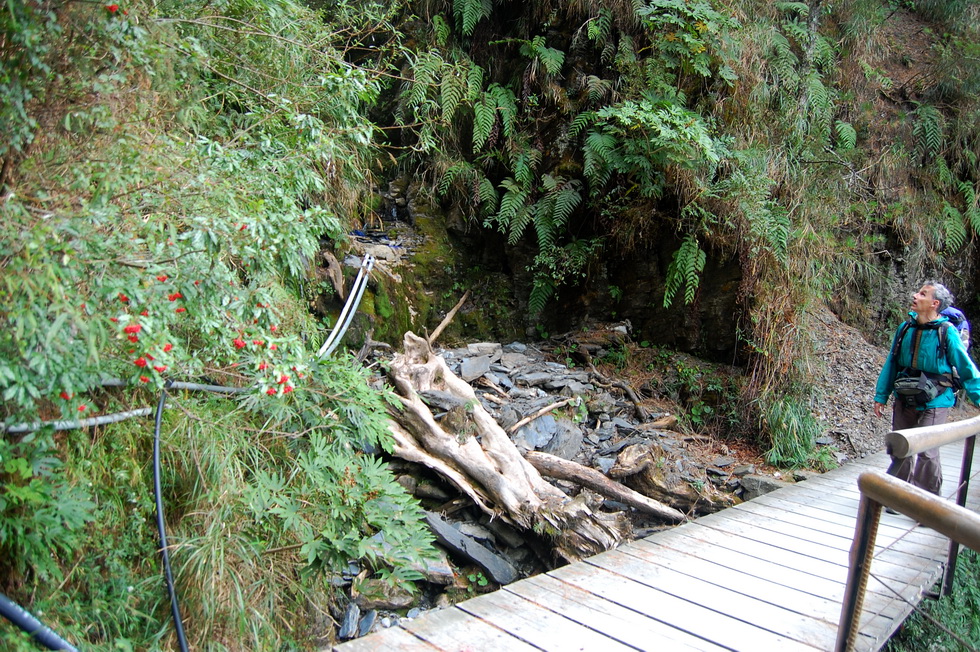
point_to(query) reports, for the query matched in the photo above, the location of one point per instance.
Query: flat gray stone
(472, 368)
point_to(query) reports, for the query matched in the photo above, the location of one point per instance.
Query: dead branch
(556, 467)
(540, 413)
(449, 317)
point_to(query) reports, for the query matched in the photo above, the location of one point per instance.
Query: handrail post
(862, 552)
(966, 469)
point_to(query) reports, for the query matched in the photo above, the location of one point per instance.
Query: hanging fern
(506, 104)
(783, 62)
(685, 269)
(551, 212)
(470, 12)
(581, 121)
(846, 136)
(599, 153)
(820, 105)
(525, 166)
(461, 169)
(972, 210)
(486, 195)
(600, 27)
(453, 92)
(513, 214)
(952, 226)
(441, 29)
(542, 290)
(484, 115)
(928, 130)
(474, 82)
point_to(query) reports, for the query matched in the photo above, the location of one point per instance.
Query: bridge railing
(878, 490)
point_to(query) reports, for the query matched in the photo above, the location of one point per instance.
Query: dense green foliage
(171, 172)
(769, 133)
(951, 624)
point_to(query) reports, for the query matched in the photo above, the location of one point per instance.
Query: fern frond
(799, 8)
(488, 195)
(453, 90)
(971, 205)
(685, 269)
(846, 136)
(566, 201)
(470, 12)
(541, 291)
(953, 228)
(484, 115)
(442, 30)
(928, 130)
(581, 121)
(598, 154)
(783, 61)
(461, 169)
(474, 82)
(600, 27)
(506, 104)
(943, 173)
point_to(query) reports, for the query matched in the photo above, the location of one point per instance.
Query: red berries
(160, 368)
(144, 379)
(167, 347)
(133, 338)
(271, 391)
(239, 343)
(140, 362)
(132, 328)
(162, 278)
(175, 296)
(65, 395)
(181, 310)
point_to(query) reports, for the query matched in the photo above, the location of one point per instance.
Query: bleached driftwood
(471, 450)
(556, 467)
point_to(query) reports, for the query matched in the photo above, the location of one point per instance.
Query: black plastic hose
(38, 631)
(174, 606)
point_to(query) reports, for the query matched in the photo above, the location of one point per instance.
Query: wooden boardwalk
(768, 574)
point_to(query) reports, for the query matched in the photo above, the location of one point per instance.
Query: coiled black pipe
(38, 631)
(174, 605)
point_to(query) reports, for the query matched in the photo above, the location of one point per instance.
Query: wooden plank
(763, 555)
(736, 579)
(714, 626)
(392, 638)
(630, 627)
(746, 607)
(900, 572)
(840, 524)
(537, 625)
(897, 554)
(456, 631)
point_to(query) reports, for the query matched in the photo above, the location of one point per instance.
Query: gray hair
(941, 294)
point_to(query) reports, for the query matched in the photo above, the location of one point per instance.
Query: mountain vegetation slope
(171, 172)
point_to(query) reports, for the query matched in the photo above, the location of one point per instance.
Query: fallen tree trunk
(472, 451)
(556, 467)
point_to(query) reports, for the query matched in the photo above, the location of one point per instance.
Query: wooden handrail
(958, 523)
(910, 441)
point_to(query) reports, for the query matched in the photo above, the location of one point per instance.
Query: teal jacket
(931, 361)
